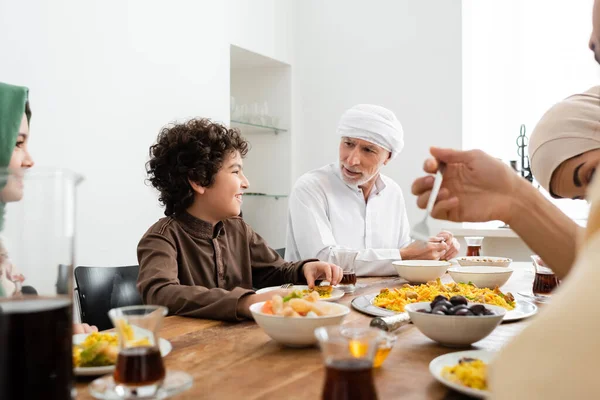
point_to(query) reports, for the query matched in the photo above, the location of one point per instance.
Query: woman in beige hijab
(564, 149)
(555, 356)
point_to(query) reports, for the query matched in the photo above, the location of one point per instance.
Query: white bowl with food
(421, 271)
(298, 331)
(482, 261)
(489, 277)
(454, 330)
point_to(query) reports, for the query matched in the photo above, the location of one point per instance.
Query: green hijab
(12, 106)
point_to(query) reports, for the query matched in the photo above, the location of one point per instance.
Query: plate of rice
(464, 371)
(391, 301)
(326, 293)
(96, 353)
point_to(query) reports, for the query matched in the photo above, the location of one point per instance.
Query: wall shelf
(259, 128)
(274, 196)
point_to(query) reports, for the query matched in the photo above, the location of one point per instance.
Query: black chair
(102, 288)
(281, 252)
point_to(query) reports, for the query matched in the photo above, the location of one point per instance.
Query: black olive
(463, 311)
(478, 309)
(437, 298)
(457, 300)
(441, 308)
(444, 303)
(438, 312)
(454, 309)
(488, 312)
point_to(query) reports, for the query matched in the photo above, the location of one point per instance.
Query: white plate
(447, 360)
(364, 304)
(164, 344)
(483, 260)
(336, 294)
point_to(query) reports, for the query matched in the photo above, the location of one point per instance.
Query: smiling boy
(202, 260)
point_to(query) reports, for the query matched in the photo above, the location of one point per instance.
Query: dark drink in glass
(544, 283)
(139, 366)
(35, 348)
(474, 245)
(473, 251)
(349, 278)
(349, 379)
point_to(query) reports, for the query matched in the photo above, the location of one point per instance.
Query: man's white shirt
(327, 213)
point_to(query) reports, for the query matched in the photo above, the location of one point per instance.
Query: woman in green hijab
(15, 115)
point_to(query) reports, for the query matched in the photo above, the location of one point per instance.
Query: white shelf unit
(256, 80)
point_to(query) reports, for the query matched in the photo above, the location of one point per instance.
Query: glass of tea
(545, 280)
(37, 233)
(345, 259)
(474, 245)
(348, 354)
(140, 365)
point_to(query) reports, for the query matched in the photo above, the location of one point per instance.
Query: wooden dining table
(239, 360)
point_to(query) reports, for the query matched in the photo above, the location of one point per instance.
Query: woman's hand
(476, 186)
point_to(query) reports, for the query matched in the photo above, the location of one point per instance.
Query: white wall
(404, 55)
(519, 58)
(105, 76)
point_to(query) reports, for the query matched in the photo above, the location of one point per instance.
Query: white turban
(569, 128)
(374, 124)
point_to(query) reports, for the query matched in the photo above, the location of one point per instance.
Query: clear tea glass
(140, 368)
(37, 236)
(348, 354)
(474, 245)
(345, 259)
(545, 280)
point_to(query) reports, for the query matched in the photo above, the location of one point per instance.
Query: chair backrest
(103, 288)
(281, 252)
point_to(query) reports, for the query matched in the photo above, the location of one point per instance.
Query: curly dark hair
(194, 150)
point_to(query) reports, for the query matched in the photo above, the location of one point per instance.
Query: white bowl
(483, 277)
(454, 330)
(421, 271)
(483, 260)
(296, 332)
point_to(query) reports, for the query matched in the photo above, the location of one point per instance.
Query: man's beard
(359, 181)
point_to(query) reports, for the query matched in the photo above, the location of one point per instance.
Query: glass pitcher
(37, 237)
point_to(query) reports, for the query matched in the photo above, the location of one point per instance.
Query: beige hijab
(568, 129)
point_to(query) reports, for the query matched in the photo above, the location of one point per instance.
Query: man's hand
(453, 245)
(432, 250)
(476, 186)
(319, 270)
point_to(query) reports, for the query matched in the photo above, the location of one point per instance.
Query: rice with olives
(395, 299)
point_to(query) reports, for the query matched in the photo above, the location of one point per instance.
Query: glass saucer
(174, 383)
(539, 299)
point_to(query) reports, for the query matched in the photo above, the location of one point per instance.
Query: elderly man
(350, 204)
